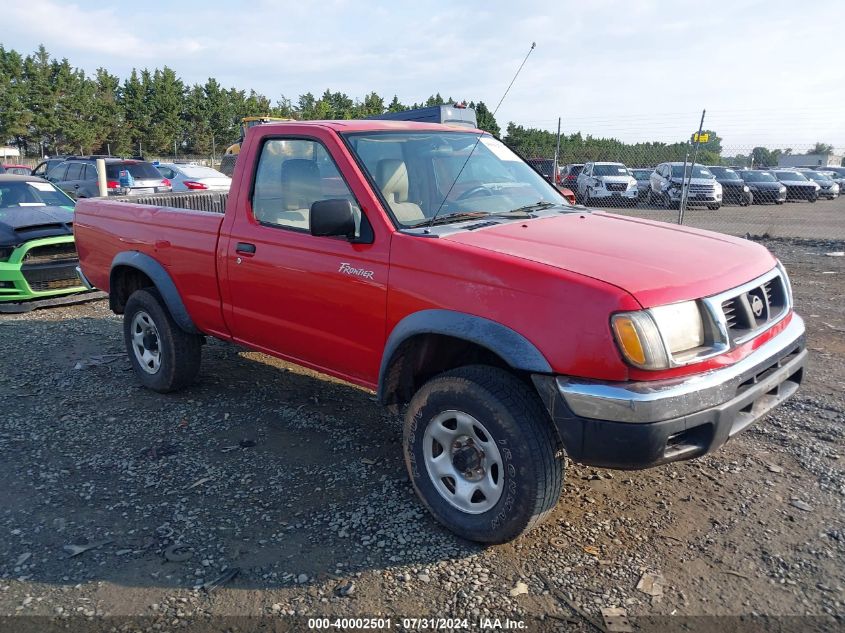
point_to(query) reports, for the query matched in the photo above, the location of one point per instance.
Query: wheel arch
(431, 341)
(133, 270)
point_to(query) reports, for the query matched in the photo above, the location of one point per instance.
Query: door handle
(76, 186)
(245, 248)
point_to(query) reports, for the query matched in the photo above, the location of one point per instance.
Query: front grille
(701, 188)
(616, 186)
(51, 253)
(46, 277)
(754, 309)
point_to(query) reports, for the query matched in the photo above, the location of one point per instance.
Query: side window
(58, 172)
(90, 173)
(74, 171)
(292, 175)
(166, 172)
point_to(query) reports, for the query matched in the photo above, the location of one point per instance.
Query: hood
(21, 224)
(616, 178)
(764, 185)
(799, 183)
(655, 262)
(732, 183)
(695, 181)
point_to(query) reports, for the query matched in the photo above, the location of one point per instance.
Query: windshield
(641, 174)
(724, 173)
(697, 172)
(814, 175)
(417, 171)
(789, 175)
(758, 176)
(610, 170)
(32, 193)
(138, 170)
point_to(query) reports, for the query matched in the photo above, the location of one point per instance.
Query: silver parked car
(192, 177)
(605, 183)
(668, 179)
(830, 188)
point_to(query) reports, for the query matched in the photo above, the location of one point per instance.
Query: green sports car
(38, 258)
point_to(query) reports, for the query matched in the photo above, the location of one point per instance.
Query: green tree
(165, 94)
(15, 116)
(486, 120)
(822, 148)
(395, 106)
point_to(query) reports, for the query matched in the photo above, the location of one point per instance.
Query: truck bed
(179, 231)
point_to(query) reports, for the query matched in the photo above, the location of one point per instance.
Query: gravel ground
(295, 483)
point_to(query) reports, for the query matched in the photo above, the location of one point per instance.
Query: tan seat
(300, 188)
(392, 179)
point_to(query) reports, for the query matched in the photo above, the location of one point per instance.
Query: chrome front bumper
(636, 425)
(653, 401)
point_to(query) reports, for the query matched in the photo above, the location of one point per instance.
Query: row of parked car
(711, 186)
(77, 176)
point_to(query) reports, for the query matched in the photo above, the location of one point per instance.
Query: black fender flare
(516, 350)
(163, 283)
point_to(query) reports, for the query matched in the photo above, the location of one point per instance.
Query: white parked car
(606, 183)
(668, 179)
(190, 177)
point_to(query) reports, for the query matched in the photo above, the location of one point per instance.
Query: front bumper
(24, 278)
(642, 424)
(604, 194)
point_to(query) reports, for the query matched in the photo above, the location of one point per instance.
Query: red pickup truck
(432, 265)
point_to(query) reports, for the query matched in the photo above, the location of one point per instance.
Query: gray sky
(769, 72)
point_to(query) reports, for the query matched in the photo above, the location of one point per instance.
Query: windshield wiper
(453, 217)
(537, 206)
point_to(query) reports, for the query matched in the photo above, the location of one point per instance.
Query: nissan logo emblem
(757, 305)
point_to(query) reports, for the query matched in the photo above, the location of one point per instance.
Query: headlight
(817, 186)
(659, 337)
(746, 189)
(782, 189)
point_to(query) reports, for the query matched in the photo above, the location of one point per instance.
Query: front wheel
(482, 453)
(165, 357)
(714, 207)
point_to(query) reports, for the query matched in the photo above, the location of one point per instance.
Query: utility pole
(213, 148)
(686, 181)
(557, 154)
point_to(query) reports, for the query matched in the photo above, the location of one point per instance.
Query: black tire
(667, 202)
(586, 197)
(714, 207)
(520, 428)
(779, 201)
(180, 352)
(812, 198)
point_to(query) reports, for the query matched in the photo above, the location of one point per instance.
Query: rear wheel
(165, 357)
(482, 453)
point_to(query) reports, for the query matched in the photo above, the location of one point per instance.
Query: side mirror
(332, 218)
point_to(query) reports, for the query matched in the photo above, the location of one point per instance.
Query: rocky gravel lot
(268, 490)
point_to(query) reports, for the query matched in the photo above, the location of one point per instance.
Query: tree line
(47, 106)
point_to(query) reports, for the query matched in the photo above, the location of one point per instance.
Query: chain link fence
(741, 191)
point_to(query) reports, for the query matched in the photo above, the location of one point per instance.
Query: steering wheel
(469, 193)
